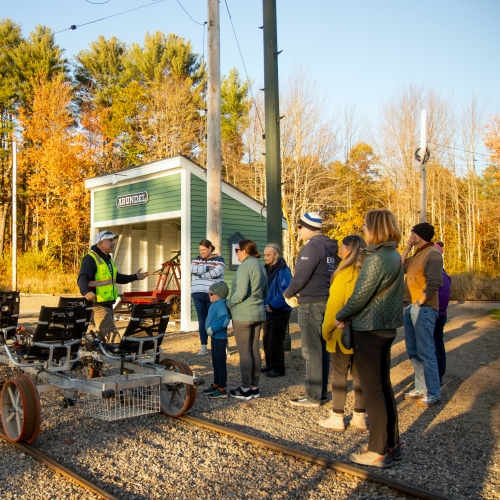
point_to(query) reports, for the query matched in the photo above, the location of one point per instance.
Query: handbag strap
(392, 283)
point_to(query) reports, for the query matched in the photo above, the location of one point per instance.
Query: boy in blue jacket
(216, 325)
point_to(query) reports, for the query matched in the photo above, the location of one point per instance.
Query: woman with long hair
(342, 359)
(376, 309)
(206, 269)
(248, 292)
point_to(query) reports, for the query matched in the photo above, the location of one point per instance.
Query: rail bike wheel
(189, 372)
(175, 300)
(177, 397)
(21, 410)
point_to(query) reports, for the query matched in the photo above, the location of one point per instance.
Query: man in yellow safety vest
(97, 282)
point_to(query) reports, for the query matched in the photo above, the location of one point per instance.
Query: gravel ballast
(452, 449)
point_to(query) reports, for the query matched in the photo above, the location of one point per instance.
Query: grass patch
(495, 314)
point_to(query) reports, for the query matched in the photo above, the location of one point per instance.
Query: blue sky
(357, 51)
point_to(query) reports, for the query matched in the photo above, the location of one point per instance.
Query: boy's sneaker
(209, 390)
(203, 351)
(304, 403)
(396, 452)
(255, 392)
(429, 401)
(218, 394)
(241, 394)
(373, 459)
(413, 394)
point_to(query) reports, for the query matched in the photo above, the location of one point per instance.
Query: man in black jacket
(97, 282)
(311, 284)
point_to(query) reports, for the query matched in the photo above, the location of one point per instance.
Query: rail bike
(62, 355)
(167, 289)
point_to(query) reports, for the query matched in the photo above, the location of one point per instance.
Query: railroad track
(59, 468)
(359, 472)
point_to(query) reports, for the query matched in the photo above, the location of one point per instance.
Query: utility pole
(214, 176)
(14, 216)
(272, 118)
(423, 159)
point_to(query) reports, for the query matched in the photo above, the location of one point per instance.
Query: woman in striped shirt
(206, 269)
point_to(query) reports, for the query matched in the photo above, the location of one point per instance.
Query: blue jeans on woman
(439, 344)
(202, 305)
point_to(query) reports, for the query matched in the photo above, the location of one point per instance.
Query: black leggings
(372, 355)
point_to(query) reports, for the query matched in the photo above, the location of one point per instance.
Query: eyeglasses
(236, 250)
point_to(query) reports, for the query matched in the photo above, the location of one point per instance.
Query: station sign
(130, 200)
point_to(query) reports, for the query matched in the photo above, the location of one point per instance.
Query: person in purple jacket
(444, 299)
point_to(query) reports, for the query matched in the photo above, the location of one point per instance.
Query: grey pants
(340, 364)
(247, 334)
(314, 349)
(103, 319)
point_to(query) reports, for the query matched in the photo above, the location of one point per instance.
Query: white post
(214, 161)
(423, 149)
(14, 215)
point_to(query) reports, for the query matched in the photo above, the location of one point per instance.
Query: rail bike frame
(144, 384)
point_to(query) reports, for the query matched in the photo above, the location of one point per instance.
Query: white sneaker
(358, 421)
(335, 422)
(203, 351)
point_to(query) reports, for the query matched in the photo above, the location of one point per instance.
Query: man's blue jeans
(314, 351)
(419, 338)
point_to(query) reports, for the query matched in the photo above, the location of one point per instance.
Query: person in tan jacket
(342, 359)
(423, 278)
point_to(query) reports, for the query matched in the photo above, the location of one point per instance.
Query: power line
(244, 66)
(458, 149)
(75, 26)
(189, 15)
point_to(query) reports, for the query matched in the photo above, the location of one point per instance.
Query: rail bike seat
(147, 326)
(58, 334)
(78, 302)
(9, 314)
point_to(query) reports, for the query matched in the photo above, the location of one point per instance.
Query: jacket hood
(329, 243)
(389, 244)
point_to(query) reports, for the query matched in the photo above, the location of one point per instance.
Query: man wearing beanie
(423, 278)
(311, 284)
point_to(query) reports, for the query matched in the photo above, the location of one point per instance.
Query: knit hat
(424, 230)
(311, 220)
(439, 247)
(220, 289)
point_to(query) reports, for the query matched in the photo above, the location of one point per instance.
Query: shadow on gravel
(452, 454)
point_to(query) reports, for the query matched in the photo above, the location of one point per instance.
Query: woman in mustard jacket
(343, 281)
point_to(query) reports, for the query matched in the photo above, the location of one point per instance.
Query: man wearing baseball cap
(97, 281)
(424, 276)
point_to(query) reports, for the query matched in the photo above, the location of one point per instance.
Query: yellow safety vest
(104, 283)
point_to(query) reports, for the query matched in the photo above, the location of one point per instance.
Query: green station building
(160, 208)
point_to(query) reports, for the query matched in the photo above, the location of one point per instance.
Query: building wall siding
(236, 217)
(164, 196)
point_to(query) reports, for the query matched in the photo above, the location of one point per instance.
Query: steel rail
(60, 469)
(319, 460)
